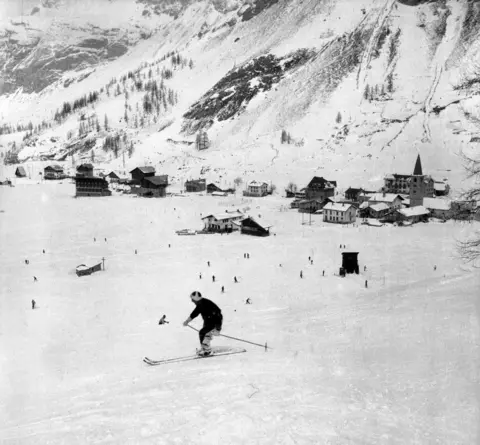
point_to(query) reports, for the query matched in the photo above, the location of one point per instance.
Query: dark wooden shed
(350, 262)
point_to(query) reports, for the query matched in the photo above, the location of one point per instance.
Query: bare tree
(238, 181)
(292, 187)
(469, 249)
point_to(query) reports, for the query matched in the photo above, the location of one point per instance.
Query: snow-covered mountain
(361, 87)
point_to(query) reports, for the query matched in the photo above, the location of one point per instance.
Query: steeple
(418, 167)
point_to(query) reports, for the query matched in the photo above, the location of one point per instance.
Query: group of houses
(403, 199)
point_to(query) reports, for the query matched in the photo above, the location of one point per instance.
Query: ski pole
(238, 339)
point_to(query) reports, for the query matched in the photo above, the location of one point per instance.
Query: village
(403, 200)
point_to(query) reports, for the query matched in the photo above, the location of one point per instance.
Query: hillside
(361, 87)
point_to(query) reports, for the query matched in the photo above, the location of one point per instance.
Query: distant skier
(35, 278)
(223, 289)
(163, 320)
(247, 301)
(200, 275)
(213, 278)
(323, 273)
(212, 321)
(235, 279)
(301, 274)
(43, 250)
(208, 263)
(33, 304)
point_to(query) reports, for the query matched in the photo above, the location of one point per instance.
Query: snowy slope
(418, 62)
(396, 362)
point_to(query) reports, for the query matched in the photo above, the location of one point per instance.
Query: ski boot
(203, 352)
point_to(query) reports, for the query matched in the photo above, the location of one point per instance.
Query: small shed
(83, 269)
(350, 262)
(20, 172)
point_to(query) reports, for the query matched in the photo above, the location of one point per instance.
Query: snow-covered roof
(224, 216)
(436, 204)
(380, 206)
(256, 183)
(414, 211)
(385, 197)
(440, 186)
(364, 205)
(338, 206)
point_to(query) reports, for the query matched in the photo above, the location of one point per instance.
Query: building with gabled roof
(412, 214)
(251, 226)
(222, 222)
(256, 188)
(54, 171)
(138, 173)
(20, 172)
(339, 212)
(320, 188)
(394, 200)
(85, 170)
(152, 186)
(439, 208)
(195, 185)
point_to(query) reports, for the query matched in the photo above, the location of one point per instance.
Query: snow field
(394, 363)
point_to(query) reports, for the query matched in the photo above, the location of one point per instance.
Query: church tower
(420, 185)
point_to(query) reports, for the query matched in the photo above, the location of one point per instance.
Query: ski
(218, 353)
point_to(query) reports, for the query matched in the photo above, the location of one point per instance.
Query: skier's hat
(195, 295)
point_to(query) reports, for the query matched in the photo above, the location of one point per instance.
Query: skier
(212, 321)
(35, 278)
(223, 289)
(162, 320)
(235, 279)
(33, 304)
(247, 301)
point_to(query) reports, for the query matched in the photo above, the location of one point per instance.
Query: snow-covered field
(395, 363)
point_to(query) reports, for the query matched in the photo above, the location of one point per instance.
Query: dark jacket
(210, 312)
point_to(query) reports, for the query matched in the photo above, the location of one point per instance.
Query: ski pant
(207, 332)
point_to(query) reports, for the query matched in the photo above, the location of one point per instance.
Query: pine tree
(106, 123)
(338, 119)
(366, 92)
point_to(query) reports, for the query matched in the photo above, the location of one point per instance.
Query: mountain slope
(379, 82)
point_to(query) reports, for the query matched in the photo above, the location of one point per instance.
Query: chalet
(196, 185)
(439, 208)
(353, 193)
(441, 188)
(222, 222)
(256, 188)
(313, 205)
(339, 213)
(139, 173)
(375, 211)
(53, 172)
(91, 186)
(211, 187)
(320, 188)
(310, 205)
(112, 177)
(412, 215)
(152, 186)
(85, 170)
(392, 199)
(20, 172)
(250, 226)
